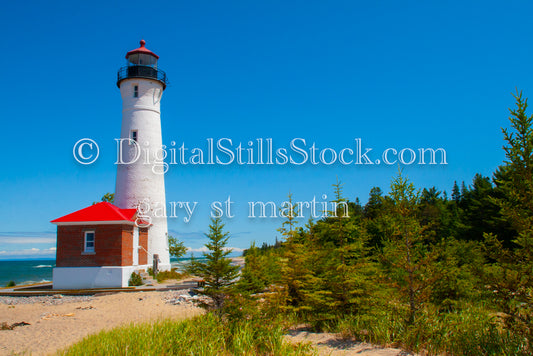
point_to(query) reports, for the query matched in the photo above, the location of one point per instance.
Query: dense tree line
(415, 266)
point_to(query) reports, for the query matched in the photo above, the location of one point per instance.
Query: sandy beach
(43, 325)
(56, 322)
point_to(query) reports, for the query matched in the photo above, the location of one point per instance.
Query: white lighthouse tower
(140, 173)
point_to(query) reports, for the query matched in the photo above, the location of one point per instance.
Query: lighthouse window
(134, 135)
(135, 91)
(89, 242)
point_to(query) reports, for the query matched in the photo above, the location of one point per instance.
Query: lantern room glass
(142, 59)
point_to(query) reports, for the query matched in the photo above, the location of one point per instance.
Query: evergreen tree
(176, 248)
(341, 277)
(261, 269)
(375, 202)
(406, 254)
(456, 193)
(355, 208)
(518, 187)
(190, 267)
(479, 212)
(464, 189)
(294, 269)
(290, 212)
(337, 279)
(511, 276)
(374, 212)
(218, 273)
(339, 217)
(434, 214)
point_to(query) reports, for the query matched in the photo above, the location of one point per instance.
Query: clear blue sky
(395, 74)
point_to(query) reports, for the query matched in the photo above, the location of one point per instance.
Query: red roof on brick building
(100, 212)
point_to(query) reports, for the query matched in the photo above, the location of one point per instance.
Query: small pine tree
(176, 248)
(346, 276)
(293, 269)
(405, 255)
(511, 275)
(218, 273)
(261, 269)
(290, 212)
(190, 267)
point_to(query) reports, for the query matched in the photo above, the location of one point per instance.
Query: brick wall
(112, 246)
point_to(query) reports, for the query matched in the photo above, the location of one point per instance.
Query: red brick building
(98, 247)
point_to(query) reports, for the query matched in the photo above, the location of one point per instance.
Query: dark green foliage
(435, 214)
(375, 202)
(11, 284)
(135, 280)
(480, 214)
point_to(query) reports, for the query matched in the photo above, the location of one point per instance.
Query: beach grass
(202, 335)
(470, 331)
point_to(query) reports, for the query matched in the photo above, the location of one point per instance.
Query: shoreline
(48, 264)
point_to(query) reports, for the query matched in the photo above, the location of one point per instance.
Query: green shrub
(11, 284)
(172, 274)
(135, 280)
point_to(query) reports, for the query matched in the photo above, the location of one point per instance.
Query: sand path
(333, 345)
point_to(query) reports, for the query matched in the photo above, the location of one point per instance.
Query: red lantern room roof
(142, 49)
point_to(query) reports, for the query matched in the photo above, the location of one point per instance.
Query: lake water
(26, 271)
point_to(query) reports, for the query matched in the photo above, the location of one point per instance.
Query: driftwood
(6, 326)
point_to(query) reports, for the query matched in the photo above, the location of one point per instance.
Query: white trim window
(88, 242)
(135, 90)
